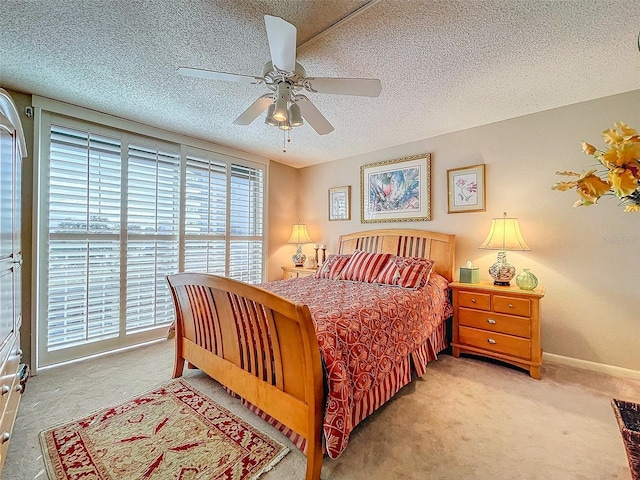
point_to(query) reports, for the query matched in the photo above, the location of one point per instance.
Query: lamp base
(502, 272)
(299, 258)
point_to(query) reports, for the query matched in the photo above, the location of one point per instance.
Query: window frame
(49, 112)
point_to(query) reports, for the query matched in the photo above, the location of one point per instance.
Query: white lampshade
(299, 234)
(505, 235)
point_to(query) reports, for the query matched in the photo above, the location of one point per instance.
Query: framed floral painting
(466, 189)
(396, 190)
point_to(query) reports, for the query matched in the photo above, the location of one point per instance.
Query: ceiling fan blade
(282, 42)
(211, 75)
(313, 116)
(256, 108)
(364, 87)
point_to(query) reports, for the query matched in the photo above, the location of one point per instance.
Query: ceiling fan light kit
(295, 116)
(286, 78)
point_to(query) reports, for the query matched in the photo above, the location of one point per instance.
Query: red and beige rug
(173, 432)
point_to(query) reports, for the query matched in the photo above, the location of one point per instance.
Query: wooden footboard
(261, 346)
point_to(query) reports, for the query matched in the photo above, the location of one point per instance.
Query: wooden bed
(264, 348)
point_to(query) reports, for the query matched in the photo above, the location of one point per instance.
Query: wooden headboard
(440, 247)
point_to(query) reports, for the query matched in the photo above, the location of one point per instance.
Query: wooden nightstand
(498, 322)
(292, 272)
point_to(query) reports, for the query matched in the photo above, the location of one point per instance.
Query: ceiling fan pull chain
(284, 143)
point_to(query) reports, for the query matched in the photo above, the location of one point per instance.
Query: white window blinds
(153, 228)
(84, 237)
(224, 216)
(124, 211)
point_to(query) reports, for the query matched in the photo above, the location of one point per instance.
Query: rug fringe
(273, 462)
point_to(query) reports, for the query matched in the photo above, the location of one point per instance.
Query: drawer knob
(5, 437)
(19, 388)
(491, 341)
(19, 352)
(491, 321)
(5, 389)
(510, 305)
(473, 300)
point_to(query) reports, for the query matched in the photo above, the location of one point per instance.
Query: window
(120, 212)
(224, 210)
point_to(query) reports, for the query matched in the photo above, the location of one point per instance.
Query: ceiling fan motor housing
(276, 74)
(283, 95)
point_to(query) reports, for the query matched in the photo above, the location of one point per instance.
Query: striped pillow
(364, 266)
(406, 272)
(332, 266)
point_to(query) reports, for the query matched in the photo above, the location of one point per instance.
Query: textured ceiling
(444, 65)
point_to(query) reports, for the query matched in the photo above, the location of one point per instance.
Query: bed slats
(439, 247)
(258, 345)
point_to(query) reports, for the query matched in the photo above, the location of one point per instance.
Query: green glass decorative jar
(526, 280)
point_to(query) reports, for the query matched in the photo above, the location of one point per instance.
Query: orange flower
(611, 137)
(625, 130)
(623, 182)
(591, 187)
(622, 174)
(622, 155)
(588, 148)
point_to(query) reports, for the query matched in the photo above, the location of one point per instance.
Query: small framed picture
(466, 189)
(340, 203)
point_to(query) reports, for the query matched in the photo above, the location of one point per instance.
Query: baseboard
(593, 366)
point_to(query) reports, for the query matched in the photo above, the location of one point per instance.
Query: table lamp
(299, 236)
(504, 235)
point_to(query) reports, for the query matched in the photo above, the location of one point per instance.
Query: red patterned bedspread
(363, 331)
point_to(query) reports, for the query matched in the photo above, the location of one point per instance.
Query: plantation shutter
(205, 216)
(224, 216)
(118, 213)
(153, 227)
(84, 237)
(247, 211)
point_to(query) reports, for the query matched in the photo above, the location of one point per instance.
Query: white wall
(588, 258)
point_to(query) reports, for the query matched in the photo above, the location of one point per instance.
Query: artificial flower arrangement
(620, 176)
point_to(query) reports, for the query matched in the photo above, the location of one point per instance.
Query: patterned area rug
(173, 432)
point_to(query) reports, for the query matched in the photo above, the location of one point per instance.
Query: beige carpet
(467, 419)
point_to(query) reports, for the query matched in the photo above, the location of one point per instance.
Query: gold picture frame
(396, 190)
(466, 189)
(340, 203)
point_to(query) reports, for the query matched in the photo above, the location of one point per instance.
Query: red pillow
(332, 266)
(364, 266)
(406, 272)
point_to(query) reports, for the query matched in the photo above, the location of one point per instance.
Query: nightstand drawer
(495, 342)
(496, 322)
(295, 272)
(289, 274)
(511, 305)
(481, 301)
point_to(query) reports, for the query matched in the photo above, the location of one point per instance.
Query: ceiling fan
(286, 79)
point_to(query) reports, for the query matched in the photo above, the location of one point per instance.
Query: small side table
(498, 322)
(292, 272)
